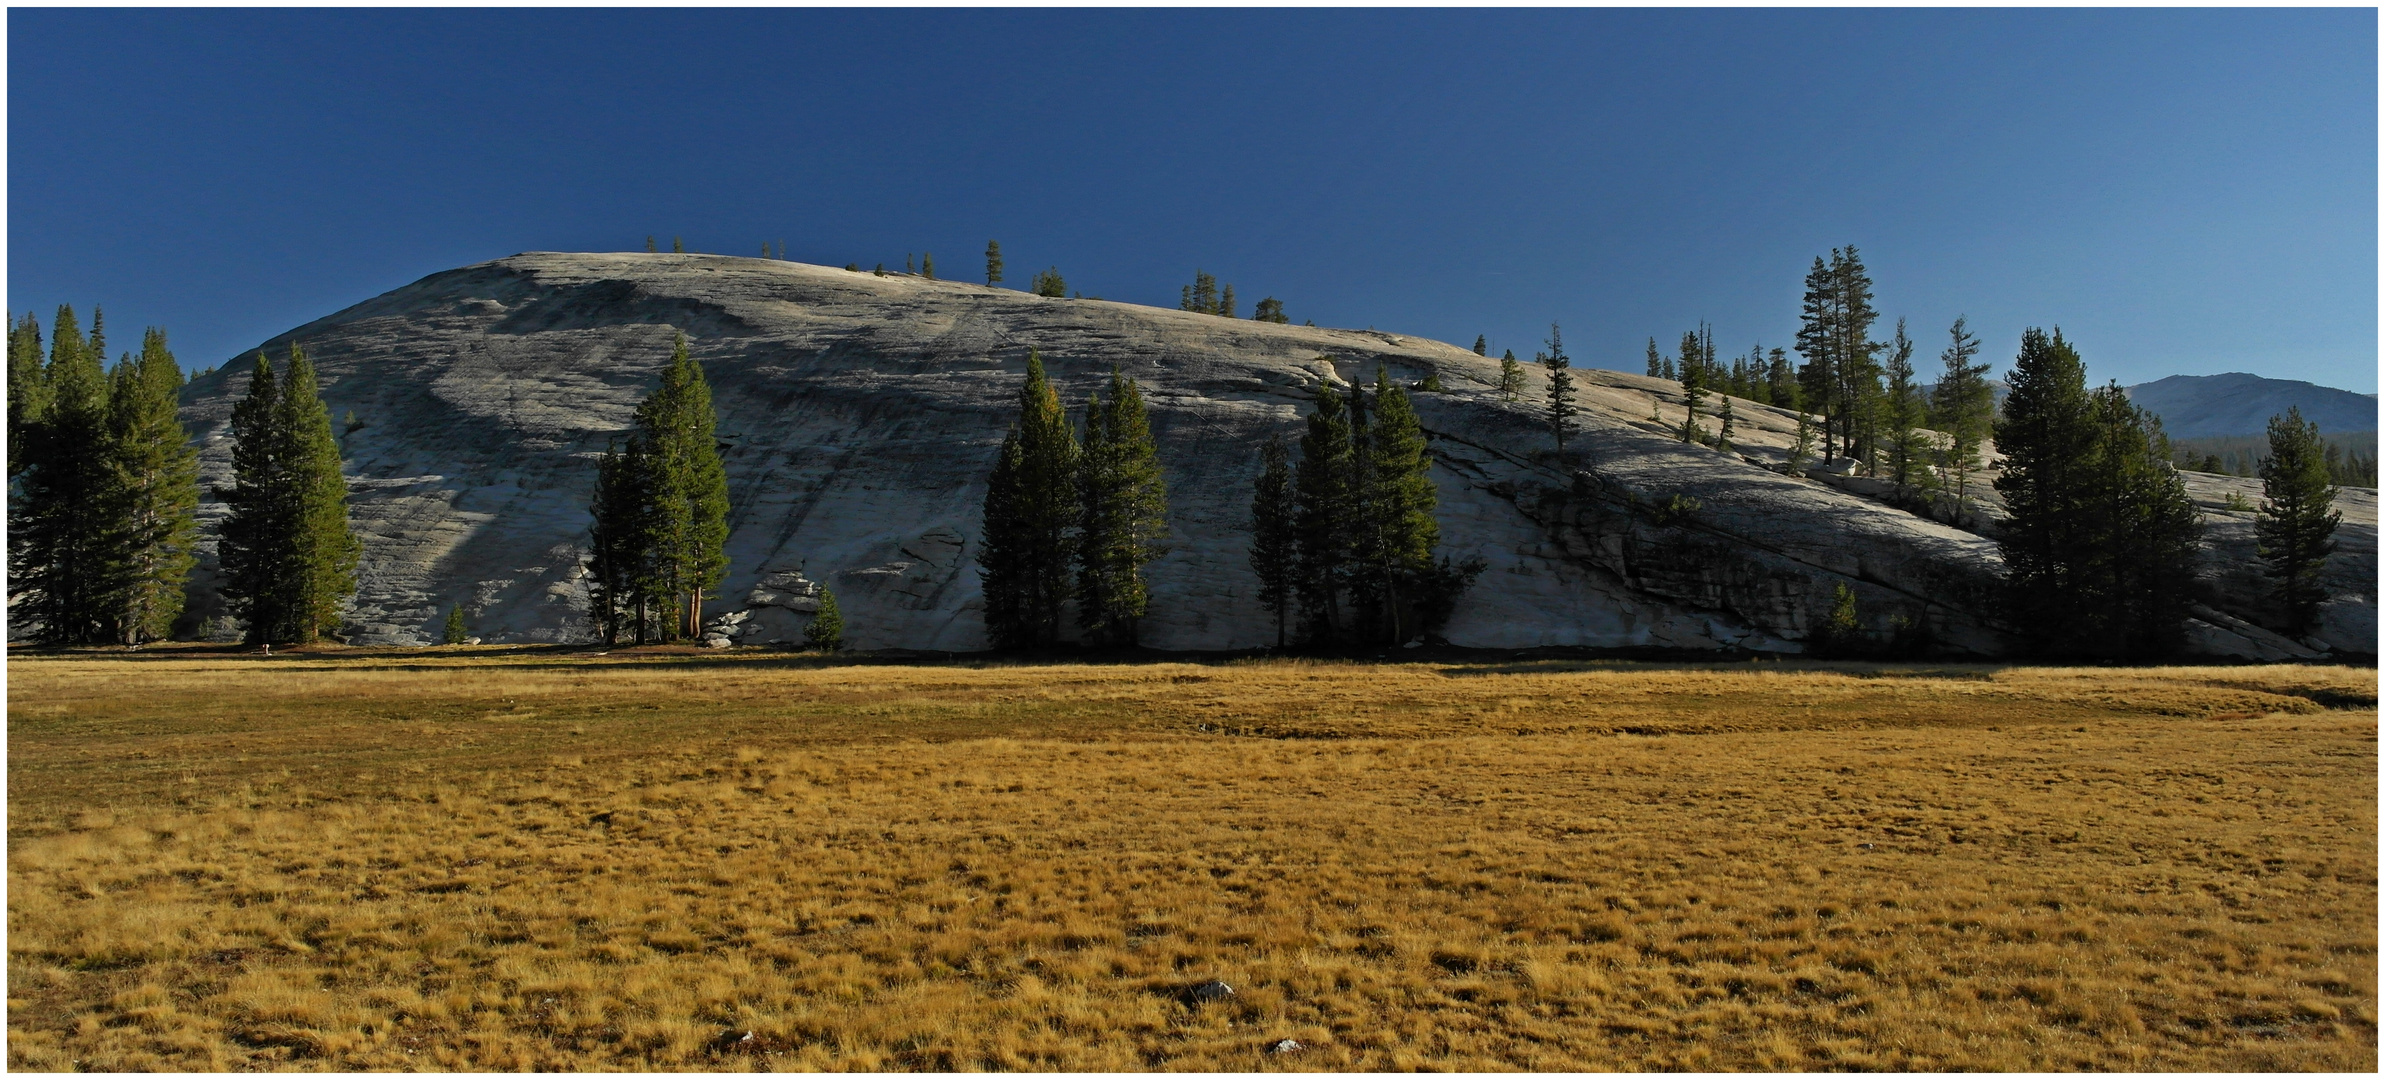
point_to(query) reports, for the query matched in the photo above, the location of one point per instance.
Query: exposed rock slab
(860, 415)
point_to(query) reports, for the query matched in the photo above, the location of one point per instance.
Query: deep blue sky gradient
(2181, 191)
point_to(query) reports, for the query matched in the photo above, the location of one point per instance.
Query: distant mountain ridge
(2238, 403)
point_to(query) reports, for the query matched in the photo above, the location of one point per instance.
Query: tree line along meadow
(2099, 542)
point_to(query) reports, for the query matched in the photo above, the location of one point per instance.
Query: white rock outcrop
(860, 414)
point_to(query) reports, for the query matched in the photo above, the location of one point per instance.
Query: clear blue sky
(2181, 191)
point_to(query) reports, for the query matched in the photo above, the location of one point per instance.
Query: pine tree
(1904, 412)
(1273, 522)
(1123, 503)
(326, 551)
(1202, 295)
(907, 264)
(927, 265)
(1270, 310)
(2143, 533)
(288, 555)
(1225, 301)
(1656, 361)
(677, 248)
(1030, 513)
(454, 632)
(1048, 283)
(1401, 530)
(2046, 434)
(650, 242)
(1511, 376)
(62, 535)
(1722, 439)
(993, 262)
(691, 488)
(1561, 407)
(155, 493)
(826, 631)
(1962, 405)
(1693, 388)
(28, 391)
(1482, 345)
(1781, 380)
(1841, 373)
(1322, 540)
(2100, 543)
(624, 514)
(2296, 527)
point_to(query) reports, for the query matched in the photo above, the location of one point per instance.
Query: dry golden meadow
(475, 859)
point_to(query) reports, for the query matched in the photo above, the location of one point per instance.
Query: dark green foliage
(659, 530)
(1482, 345)
(624, 517)
(454, 632)
(2297, 523)
(1963, 407)
(1270, 310)
(106, 489)
(1780, 380)
(1398, 530)
(1273, 521)
(288, 555)
(880, 271)
(1031, 512)
(1841, 376)
(1324, 526)
(907, 265)
(691, 490)
(1123, 503)
(927, 265)
(1203, 296)
(1363, 524)
(1048, 283)
(1722, 438)
(1693, 388)
(2351, 457)
(1511, 376)
(1903, 412)
(2100, 543)
(154, 493)
(60, 527)
(1840, 633)
(1656, 361)
(1675, 510)
(677, 248)
(855, 267)
(1561, 406)
(28, 390)
(649, 242)
(826, 631)
(993, 262)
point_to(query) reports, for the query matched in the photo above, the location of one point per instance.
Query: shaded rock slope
(860, 415)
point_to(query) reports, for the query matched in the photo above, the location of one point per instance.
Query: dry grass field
(461, 859)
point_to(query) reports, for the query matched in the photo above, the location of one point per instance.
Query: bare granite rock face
(860, 414)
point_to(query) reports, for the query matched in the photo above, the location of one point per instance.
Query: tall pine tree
(1561, 406)
(2296, 527)
(1123, 503)
(1904, 413)
(1031, 513)
(1273, 526)
(1323, 526)
(691, 488)
(1963, 406)
(2099, 546)
(155, 492)
(289, 557)
(63, 535)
